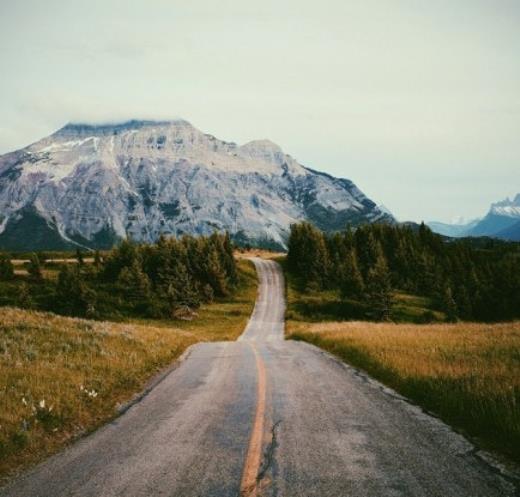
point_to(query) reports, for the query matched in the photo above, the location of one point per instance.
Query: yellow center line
(248, 486)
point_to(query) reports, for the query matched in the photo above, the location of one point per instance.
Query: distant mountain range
(456, 229)
(91, 186)
(502, 221)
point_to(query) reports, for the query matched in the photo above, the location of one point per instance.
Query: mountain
(501, 216)
(510, 233)
(501, 221)
(92, 185)
(452, 230)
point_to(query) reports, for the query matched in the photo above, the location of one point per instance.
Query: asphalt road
(267, 417)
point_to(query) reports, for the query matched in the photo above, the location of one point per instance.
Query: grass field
(468, 374)
(62, 377)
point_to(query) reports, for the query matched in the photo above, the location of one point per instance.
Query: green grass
(409, 308)
(467, 373)
(62, 377)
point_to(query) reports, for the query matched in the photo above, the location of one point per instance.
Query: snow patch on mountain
(507, 207)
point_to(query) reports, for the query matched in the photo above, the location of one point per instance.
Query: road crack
(268, 454)
(261, 480)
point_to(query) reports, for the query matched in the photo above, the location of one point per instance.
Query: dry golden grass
(467, 373)
(48, 274)
(262, 253)
(61, 377)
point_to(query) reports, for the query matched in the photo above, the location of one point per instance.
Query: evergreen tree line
(167, 279)
(367, 264)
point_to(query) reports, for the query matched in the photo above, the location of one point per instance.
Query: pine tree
(379, 290)
(216, 276)
(449, 305)
(401, 268)
(134, 284)
(6, 268)
(350, 279)
(34, 268)
(229, 259)
(168, 267)
(318, 266)
(464, 307)
(368, 248)
(97, 259)
(308, 256)
(79, 257)
(120, 257)
(338, 251)
(425, 274)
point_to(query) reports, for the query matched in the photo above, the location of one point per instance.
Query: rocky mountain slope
(511, 232)
(94, 185)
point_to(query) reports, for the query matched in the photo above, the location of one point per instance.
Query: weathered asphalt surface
(336, 432)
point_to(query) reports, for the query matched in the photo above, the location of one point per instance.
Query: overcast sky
(416, 101)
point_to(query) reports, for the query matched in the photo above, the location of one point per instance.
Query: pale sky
(416, 101)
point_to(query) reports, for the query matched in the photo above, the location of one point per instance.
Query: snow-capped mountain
(501, 216)
(92, 185)
(501, 221)
(507, 208)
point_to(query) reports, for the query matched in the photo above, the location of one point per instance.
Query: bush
(73, 296)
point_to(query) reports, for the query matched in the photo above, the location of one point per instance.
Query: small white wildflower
(24, 402)
(42, 404)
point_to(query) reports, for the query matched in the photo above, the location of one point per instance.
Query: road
(266, 417)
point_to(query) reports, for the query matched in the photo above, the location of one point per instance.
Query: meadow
(466, 373)
(62, 377)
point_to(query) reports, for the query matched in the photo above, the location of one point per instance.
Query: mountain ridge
(501, 221)
(94, 184)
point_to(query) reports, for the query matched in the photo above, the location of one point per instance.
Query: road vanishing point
(263, 416)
